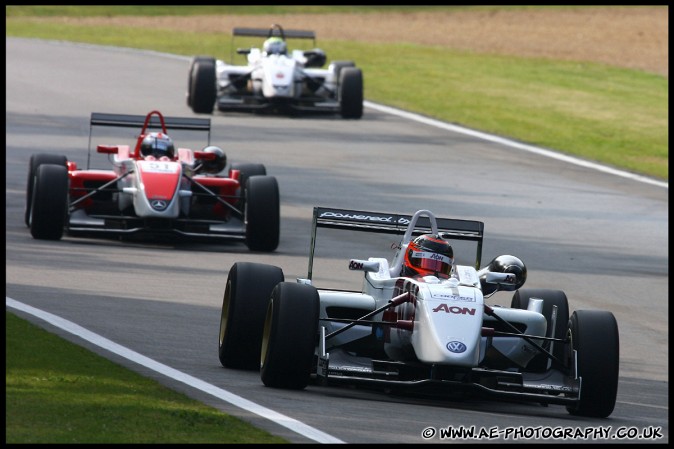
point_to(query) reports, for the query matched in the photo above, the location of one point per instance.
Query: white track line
(513, 144)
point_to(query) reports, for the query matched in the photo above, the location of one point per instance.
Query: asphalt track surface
(154, 306)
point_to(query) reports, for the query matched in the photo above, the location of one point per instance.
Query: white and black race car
(430, 335)
(276, 80)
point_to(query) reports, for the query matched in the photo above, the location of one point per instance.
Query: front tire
(262, 213)
(351, 92)
(289, 336)
(35, 161)
(189, 77)
(201, 95)
(49, 203)
(244, 307)
(594, 336)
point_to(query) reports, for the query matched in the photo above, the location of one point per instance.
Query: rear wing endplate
(385, 223)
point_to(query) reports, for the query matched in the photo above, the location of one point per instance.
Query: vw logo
(158, 204)
(456, 347)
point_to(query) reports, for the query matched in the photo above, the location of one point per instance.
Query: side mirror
(504, 279)
(213, 159)
(315, 58)
(107, 149)
(506, 273)
(363, 265)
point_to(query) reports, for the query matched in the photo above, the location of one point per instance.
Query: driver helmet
(428, 255)
(275, 45)
(157, 145)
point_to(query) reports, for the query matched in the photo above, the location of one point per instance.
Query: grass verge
(59, 393)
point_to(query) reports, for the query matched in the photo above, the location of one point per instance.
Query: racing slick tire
(594, 336)
(289, 336)
(202, 90)
(262, 213)
(49, 203)
(550, 298)
(35, 161)
(351, 92)
(189, 77)
(244, 307)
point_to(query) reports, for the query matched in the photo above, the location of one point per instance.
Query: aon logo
(454, 309)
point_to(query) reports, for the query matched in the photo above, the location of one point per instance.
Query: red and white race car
(177, 192)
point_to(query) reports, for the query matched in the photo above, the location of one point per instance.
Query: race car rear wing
(151, 120)
(274, 30)
(265, 32)
(137, 121)
(384, 223)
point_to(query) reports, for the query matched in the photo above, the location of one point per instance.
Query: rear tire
(594, 336)
(244, 307)
(201, 95)
(550, 298)
(35, 161)
(49, 204)
(289, 336)
(351, 93)
(262, 213)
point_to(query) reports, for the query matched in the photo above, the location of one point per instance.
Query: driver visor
(432, 261)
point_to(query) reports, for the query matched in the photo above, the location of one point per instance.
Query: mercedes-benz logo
(158, 204)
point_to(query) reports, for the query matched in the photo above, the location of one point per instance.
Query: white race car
(273, 79)
(431, 335)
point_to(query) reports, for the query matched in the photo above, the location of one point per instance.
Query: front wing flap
(340, 367)
(81, 223)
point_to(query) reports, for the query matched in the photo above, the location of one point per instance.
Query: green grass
(600, 113)
(59, 393)
(593, 111)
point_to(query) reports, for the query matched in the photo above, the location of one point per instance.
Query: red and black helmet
(428, 255)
